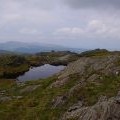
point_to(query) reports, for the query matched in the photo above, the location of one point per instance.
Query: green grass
(95, 53)
(37, 105)
(6, 84)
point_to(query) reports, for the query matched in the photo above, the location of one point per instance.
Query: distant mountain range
(22, 47)
(5, 52)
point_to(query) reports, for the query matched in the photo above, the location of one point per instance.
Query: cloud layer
(78, 23)
(93, 3)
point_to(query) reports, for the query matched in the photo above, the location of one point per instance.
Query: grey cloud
(41, 4)
(37, 20)
(77, 4)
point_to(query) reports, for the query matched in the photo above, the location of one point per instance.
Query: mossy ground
(37, 105)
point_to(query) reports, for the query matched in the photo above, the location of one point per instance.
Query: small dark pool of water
(40, 72)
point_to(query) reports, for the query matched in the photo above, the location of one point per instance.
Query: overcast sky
(74, 23)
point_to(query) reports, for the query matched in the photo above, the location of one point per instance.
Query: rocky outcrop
(92, 70)
(60, 82)
(58, 101)
(104, 109)
(106, 65)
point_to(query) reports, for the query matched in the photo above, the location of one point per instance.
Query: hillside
(24, 47)
(87, 89)
(2, 52)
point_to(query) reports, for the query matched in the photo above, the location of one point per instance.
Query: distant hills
(23, 47)
(2, 52)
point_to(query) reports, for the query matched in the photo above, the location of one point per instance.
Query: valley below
(85, 86)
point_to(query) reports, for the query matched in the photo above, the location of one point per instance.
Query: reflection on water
(40, 72)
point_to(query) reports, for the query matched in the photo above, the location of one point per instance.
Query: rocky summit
(87, 89)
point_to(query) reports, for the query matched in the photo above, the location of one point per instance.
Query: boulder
(104, 109)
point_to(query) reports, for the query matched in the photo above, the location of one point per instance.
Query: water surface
(40, 72)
